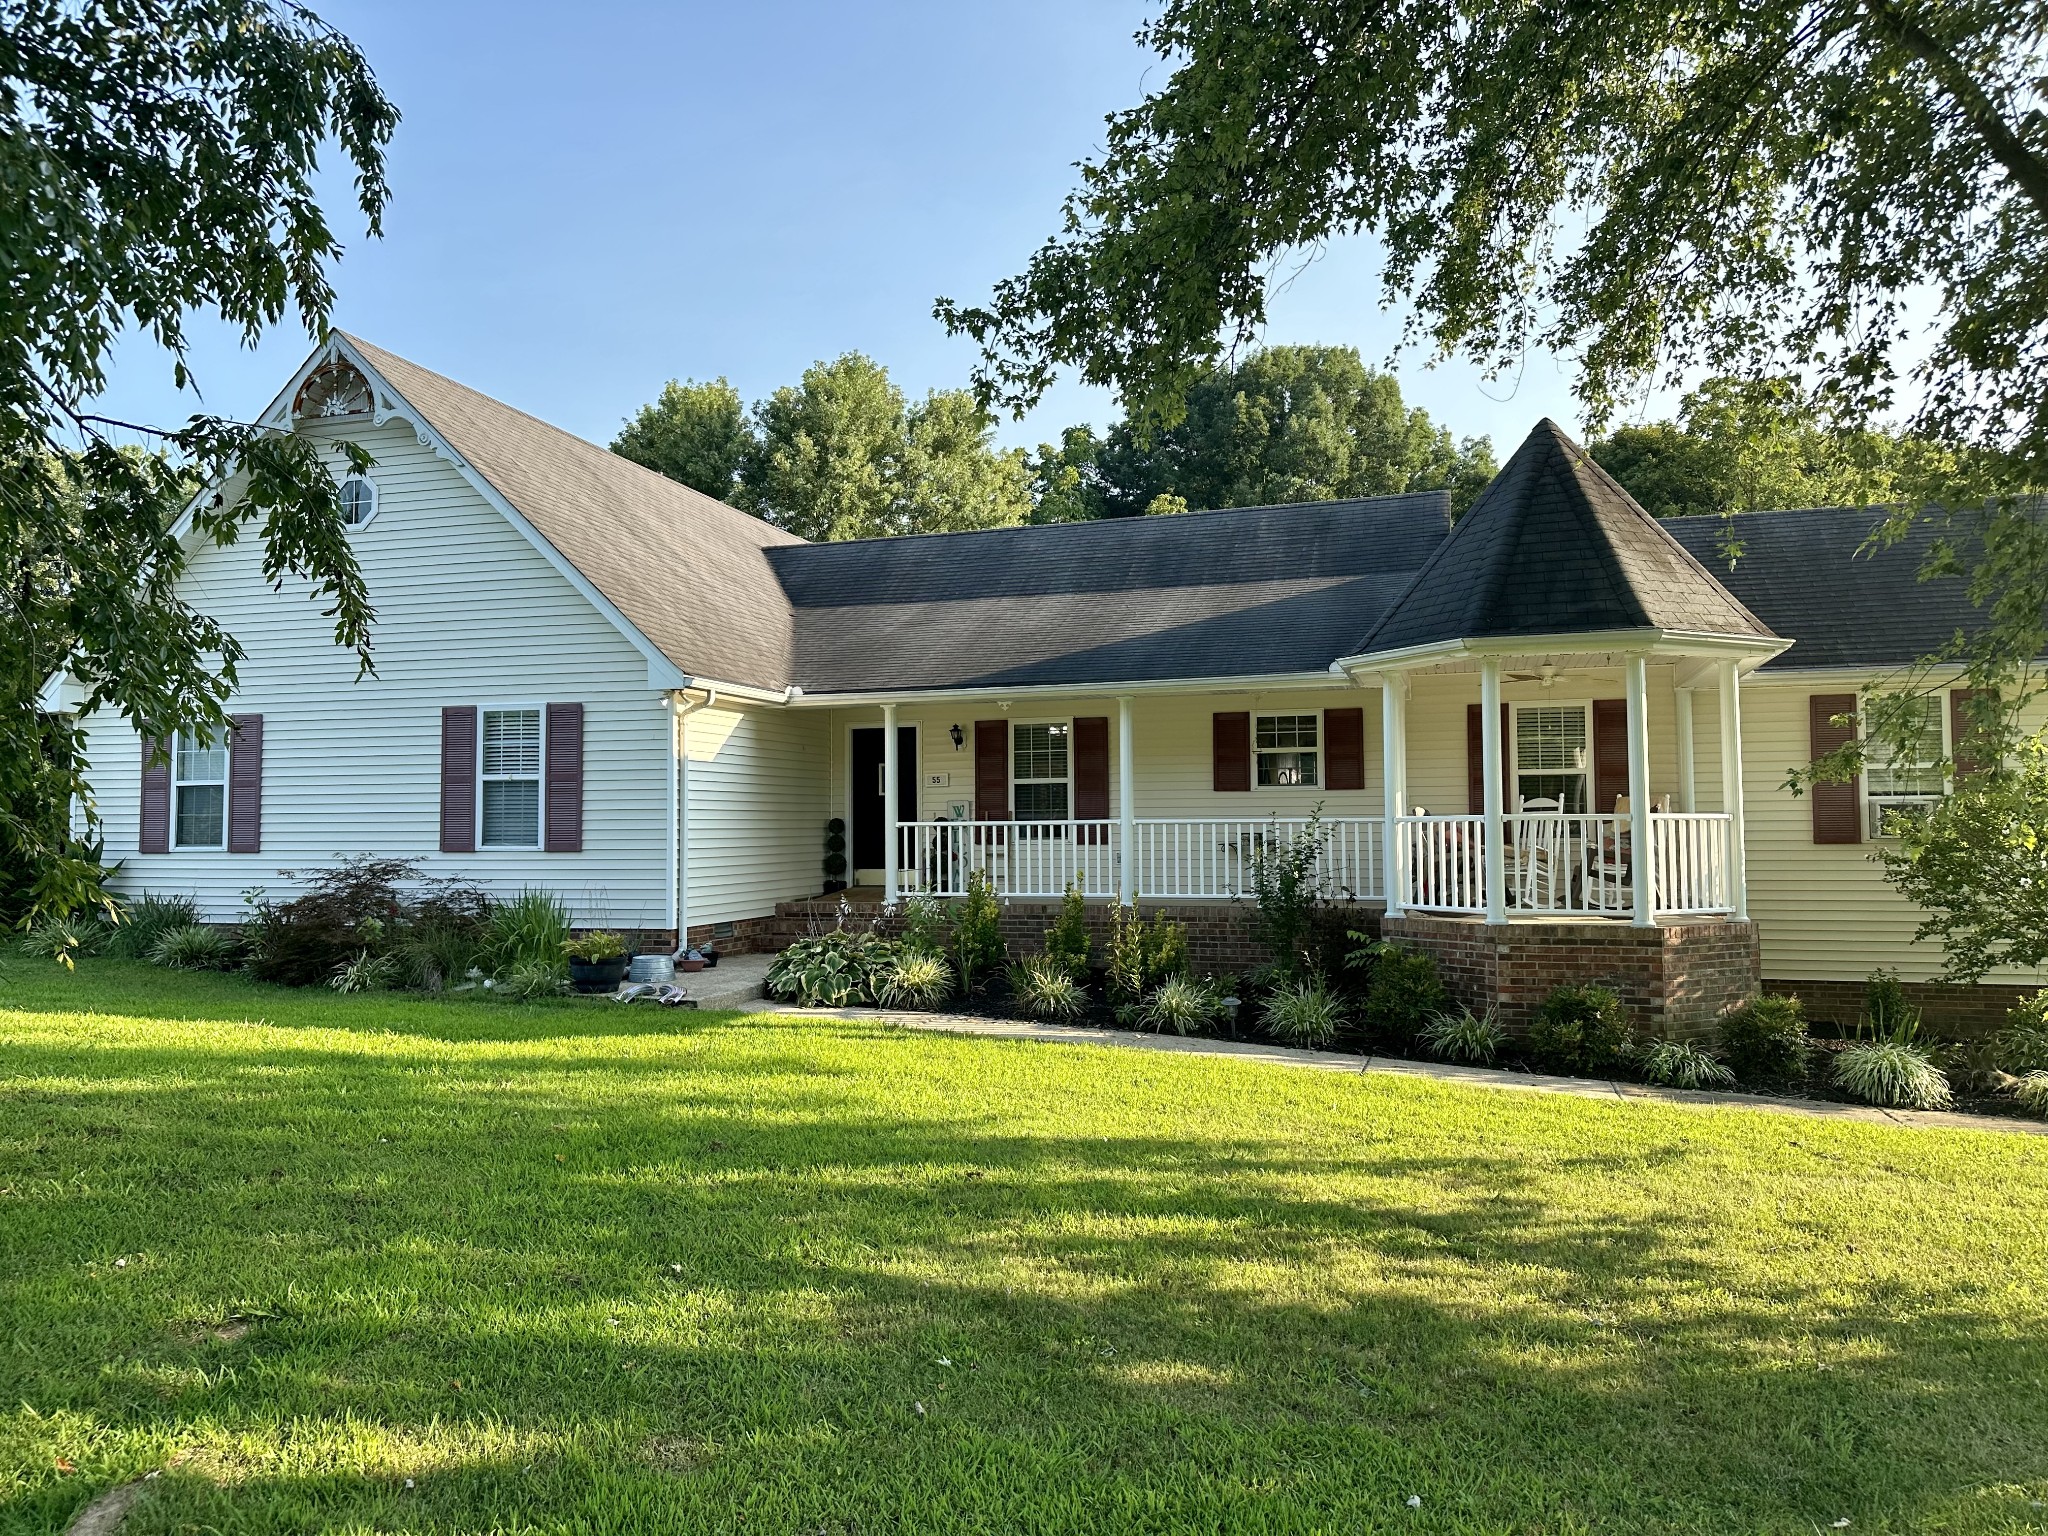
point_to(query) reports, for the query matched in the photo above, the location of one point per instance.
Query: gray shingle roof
(1802, 573)
(1251, 591)
(1555, 546)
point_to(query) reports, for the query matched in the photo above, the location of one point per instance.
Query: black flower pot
(598, 975)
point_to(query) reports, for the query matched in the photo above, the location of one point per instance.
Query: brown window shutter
(1475, 762)
(1837, 808)
(155, 833)
(1231, 752)
(991, 770)
(564, 826)
(1091, 769)
(1964, 730)
(458, 779)
(1344, 748)
(245, 785)
(1610, 754)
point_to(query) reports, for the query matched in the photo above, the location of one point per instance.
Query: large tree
(695, 433)
(157, 160)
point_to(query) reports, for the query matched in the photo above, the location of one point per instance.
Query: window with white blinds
(509, 778)
(1551, 756)
(199, 783)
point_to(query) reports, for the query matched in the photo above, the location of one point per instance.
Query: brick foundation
(749, 936)
(1676, 979)
(1948, 1008)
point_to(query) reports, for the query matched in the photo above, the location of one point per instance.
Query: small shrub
(1285, 875)
(195, 947)
(595, 947)
(2032, 1092)
(1141, 955)
(924, 927)
(1067, 940)
(1403, 995)
(1884, 1003)
(841, 968)
(1580, 1028)
(1887, 1073)
(1681, 1064)
(147, 919)
(2022, 1046)
(1046, 989)
(978, 947)
(60, 938)
(366, 973)
(1181, 1004)
(1765, 1040)
(1304, 1012)
(917, 980)
(531, 979)
(443, 936)
(530, 930)
(1461, 1035)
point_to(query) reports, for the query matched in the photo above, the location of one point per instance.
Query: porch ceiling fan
(1547, 675)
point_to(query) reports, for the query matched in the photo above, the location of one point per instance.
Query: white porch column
(1393, 782)
(1489, 764)
(1126, 807)
(1731, 787)
(1642, 856)
(1688, 787)
(891, 876)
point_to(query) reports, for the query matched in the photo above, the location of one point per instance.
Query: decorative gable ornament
(335, 388)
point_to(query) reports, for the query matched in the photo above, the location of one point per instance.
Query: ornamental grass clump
(1182, 1005)
(2031, 1092)
(1304, 1013)
(917, 980)
(59, 938)
(1891, 1074)
(146, 919)
(195, 947)
(1682, 1064)
(530, 930)
(367, 972)
(1046, 989)
(1459, 1034)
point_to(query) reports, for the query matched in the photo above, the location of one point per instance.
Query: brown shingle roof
(689, 572)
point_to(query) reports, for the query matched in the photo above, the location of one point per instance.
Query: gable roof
(688, 572)
(1253, 591)
(1805, 573)
(1555, 546)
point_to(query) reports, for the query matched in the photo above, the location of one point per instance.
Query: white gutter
(1246, 683)
(1668, 642)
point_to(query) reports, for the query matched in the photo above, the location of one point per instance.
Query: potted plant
(597, 961)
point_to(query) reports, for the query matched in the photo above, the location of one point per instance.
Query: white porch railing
(1174, 860)
(1568, 865)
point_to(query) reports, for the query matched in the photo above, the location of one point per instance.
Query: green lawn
(398, 1265)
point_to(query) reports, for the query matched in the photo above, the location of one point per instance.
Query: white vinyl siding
(760, 785)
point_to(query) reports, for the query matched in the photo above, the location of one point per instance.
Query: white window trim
(1321, 750)
(1512, 746)
(226, 770)
(540, 821)
(1015, 725)
(1870, 802)
(376, 501)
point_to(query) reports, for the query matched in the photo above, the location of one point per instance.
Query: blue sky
(591, 199)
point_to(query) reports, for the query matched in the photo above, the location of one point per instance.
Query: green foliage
(145, 920)
(1459, 1034)
(1141, 955)
(1765, 1040)
(1303, 1011)
(1046, 989)
(924, 926)
(527, 980)
(162, 163)
(1067, 941)
(978, 947)
(196, 947)
(1581, 1028)
(841, 968)
(1885, 1009)
(919, 979)
(695, 433)
(1404, 994)
(531, 931)
(1285, 876)
(1183, 1004)
(2022, 1045)
(1891, 1074)
(63, 938)
(1682, 1064)
(2032, 1092)
(594, 947)
(366, 972)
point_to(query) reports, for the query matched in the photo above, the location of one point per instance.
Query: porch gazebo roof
(1554, 546)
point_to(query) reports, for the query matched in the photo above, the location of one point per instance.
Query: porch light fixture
(959, 737)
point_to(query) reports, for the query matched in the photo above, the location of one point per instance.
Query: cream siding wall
(759, 799)
(468, 613)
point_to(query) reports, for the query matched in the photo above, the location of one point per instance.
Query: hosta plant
(1181, 1004)
(1681, 1064)
(1887, 1073)
(194, 947)
(1305, 1013)
(842, 968)
(1462, 1035)
(918, 980)
(1046, 989)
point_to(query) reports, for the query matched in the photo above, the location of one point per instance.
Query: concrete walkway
(1333, 1061)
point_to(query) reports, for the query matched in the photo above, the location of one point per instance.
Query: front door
(866, 798)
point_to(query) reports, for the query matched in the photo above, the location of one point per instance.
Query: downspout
(679, 708)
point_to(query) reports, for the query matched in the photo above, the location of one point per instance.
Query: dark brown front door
(868, 817)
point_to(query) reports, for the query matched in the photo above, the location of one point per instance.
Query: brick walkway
(1478, 1077)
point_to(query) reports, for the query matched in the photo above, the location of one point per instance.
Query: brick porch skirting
(1949, 1008)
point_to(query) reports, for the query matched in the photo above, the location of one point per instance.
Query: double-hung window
(1551, 756)
(1041, 771)
(509, 766)
(1286, 747)
(199, 790)
(1910, 783)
